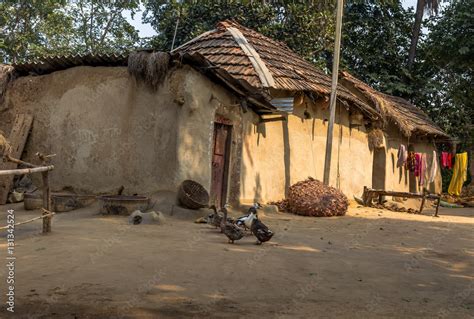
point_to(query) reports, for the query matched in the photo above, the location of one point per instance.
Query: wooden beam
(17, 138)
(273, 119)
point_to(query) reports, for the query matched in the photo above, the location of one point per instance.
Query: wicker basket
(192, 195)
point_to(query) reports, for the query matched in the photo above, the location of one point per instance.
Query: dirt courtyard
(367, 264)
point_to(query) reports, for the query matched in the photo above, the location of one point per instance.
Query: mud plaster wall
(399, 179)
(203, 100)
(107, 130)
(276, 155)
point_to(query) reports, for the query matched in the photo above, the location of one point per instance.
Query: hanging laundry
(411, 162)
(459, 174)
(450, 160)
(444, 159)
(417, 164)
(434, 168)
(422, 170)
(402, 155)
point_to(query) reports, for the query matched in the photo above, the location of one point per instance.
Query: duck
(215, 219)
(260, 231)
(246, 220)
(231, 230)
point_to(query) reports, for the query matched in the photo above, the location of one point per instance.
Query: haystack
(149, 67)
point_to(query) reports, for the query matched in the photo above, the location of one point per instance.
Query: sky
(145, 30)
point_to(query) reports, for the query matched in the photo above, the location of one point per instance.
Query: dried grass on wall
(150, 68)
(5, 147)
(375, 137)
(7, 74)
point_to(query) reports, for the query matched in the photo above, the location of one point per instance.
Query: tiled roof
(289, 71)
(50, 64)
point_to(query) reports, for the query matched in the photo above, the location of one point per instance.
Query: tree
(421, 6)
(376, 38)
(32, 28)
(307, 28)
(100, 26)
(444, 74)
(36, 28)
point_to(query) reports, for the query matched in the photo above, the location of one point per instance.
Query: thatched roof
(410, 119)
(235, 49)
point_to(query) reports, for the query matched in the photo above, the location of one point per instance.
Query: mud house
(402, 123)
(236, 111)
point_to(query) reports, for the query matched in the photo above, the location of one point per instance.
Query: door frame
(221, 120)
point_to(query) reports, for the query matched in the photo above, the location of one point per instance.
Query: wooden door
(220, 163)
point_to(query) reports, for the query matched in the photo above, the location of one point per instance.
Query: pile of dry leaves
(312, 198)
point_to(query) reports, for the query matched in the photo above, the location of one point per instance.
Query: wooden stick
(437, 206)
(423, 199)
(46, 202)
(17, 161)
(26, 170)
(31, 220)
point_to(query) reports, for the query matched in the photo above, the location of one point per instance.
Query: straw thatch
(149, 67)
(7, 74)
(410, 119)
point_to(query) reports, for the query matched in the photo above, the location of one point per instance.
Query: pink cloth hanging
(417, 164)
(444, 159)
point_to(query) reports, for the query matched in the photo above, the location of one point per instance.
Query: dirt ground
(367, 264)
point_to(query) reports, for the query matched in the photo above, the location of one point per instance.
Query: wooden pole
(332, 101)
(46, 203)
(26, 170)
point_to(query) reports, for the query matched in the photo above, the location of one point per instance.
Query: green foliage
(101, 27)
(306, 27)
(32, 28)
(443, 78)
(376, 39)
(36, 28)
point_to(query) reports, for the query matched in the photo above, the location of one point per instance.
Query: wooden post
(422, 201)
(437, 206)
(332, 101)
(364, 196)
(46, 202)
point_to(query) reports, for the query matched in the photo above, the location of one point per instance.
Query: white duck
(246, 220)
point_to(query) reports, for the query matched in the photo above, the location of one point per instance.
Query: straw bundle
(375, 137)
(150, 68)
(5, 147)
(6, 75)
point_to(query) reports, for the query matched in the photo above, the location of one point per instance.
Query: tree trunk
(420, 7)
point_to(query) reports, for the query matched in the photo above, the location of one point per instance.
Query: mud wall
(279, 154)
(108, 130)
(400, 179)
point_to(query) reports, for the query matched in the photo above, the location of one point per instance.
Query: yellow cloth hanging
(459, 174)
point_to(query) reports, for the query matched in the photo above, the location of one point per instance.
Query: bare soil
(370, 263)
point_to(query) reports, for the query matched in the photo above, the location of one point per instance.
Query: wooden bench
(370, 194)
